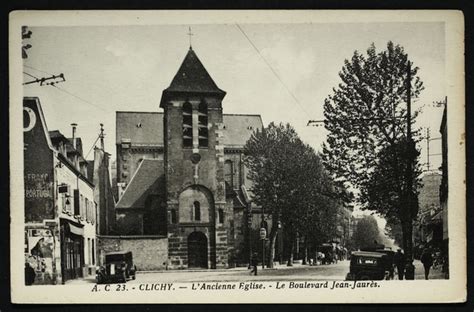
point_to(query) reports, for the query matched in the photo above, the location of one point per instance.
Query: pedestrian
(30, 274)
(399, 261)
(254, 263)
(427, 260)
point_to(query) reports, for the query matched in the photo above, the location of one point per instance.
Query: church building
(181, 179)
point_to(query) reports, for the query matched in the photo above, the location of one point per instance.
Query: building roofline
(135, 112)
(144, 112)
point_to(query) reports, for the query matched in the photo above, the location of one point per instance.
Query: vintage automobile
(368, 265)
(388, 261)
(118, 268)
(327, 250)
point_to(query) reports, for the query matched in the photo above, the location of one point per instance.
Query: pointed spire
(193, 77)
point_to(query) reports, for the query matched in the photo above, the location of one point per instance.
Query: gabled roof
(193, 77)
(146, 128)
(239, 128)
(146, 180)
(140, 127)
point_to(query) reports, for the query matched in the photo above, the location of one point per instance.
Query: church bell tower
(194, 168)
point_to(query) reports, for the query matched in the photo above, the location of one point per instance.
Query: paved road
(279, 273)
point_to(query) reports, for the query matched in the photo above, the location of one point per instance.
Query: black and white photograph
(284, 157)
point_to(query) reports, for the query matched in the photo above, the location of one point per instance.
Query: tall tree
(366, 117)
(289, 182)
(270, 156)
(366, 232)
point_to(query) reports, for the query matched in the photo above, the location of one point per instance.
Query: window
(203, 132)
(173, 216)
(197, 211)
(89, 251)
(93, 251)
(77, 210)
(187, 125)
(81, 208)
(221, 216)
(94, 212)
(229, 173)
(87, 210)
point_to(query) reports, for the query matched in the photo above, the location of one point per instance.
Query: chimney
(74, 126)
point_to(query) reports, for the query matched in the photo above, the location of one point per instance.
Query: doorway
(197, 250)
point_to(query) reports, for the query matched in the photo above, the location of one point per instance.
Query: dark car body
(328, 251)
(118, 268)
(388, 260)
(368, 265)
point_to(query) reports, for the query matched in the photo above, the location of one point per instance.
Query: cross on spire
(190, 34)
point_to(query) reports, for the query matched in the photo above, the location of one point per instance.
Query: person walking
(29, 274)
(254, 263)
(399, 261)
(427, 260)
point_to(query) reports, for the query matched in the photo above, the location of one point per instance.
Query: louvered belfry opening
(187, 125)
(203, 132)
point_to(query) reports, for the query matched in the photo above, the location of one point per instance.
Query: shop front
(72, 250)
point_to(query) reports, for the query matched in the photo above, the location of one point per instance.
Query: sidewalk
(79, 281)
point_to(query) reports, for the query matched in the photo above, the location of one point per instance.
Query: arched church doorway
(197, 250)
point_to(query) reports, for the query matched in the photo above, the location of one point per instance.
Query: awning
(76, 230)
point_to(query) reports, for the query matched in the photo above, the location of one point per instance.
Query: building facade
(60, 212)
(180, 176)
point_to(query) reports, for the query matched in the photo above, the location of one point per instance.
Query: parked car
(388, 260)
(368, 265)
(118, 268)
(328, 251)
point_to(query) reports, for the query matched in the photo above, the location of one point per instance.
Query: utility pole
(408, 213)
(428, 143)
(101, 136)
(428, 149)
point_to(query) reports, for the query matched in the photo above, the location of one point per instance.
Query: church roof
(238, 128)
(145, 181)
(193, 77)
(140, 128)
(146, 128)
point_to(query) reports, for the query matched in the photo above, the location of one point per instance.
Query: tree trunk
(273, 236)
(305, 256)
(291, 250)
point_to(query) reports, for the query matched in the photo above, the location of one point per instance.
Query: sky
(126, 68)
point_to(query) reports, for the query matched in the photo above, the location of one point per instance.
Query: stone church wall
(149, 252)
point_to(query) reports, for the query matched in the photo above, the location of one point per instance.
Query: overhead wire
(273, 70)
(79, 98)
(98, 137)
(71, 94)
(30, 75)
(39, 70)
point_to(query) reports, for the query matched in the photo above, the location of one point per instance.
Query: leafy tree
(270, 155)
(366, 233)
(386, 191)
(366, 119)
(394, 230)
(289, 182)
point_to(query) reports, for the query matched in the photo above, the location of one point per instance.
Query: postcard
(237, 156)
